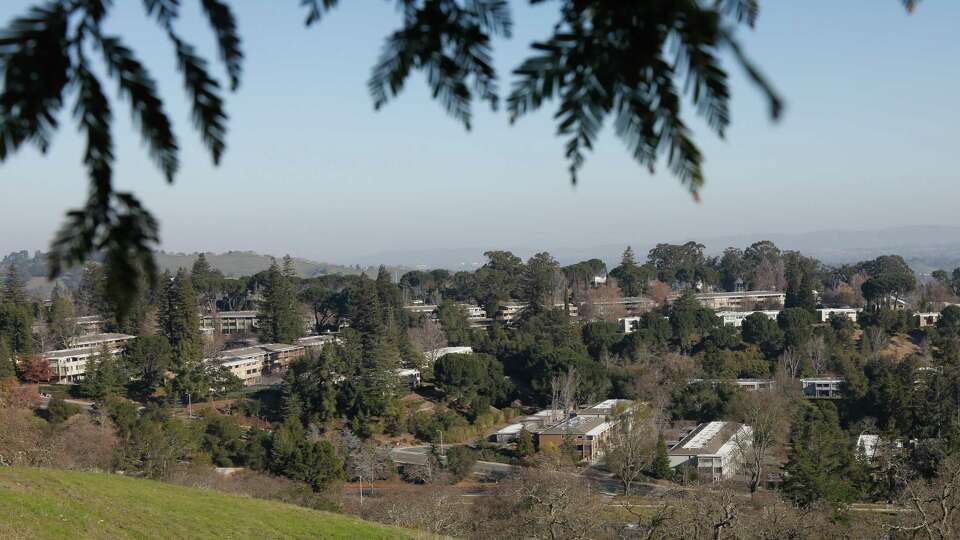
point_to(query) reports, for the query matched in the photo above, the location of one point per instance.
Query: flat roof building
(742, 300)
(823, 315)
(822, 387)
(736, 318)
(588, 433)
(70, 365)
(713, 449)
(229, 322)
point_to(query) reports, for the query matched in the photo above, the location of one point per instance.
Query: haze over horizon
(312, 170)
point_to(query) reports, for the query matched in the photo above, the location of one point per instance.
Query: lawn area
(48, 503)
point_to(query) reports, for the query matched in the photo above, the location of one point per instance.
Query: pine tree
(179, 318)
(7, 361)
(60, 316)
(660, 468)
(280, 319)
(13, 287)
(105, 376)
(820, 464)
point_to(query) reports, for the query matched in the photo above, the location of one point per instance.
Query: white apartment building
(823, 315)
(822, 387)
(714, 449)
(736, 318)
(742, 300)
(70, 365)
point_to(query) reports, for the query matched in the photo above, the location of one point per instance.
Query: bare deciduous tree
(564, 393)
(768, 416)
(632, 445)
(789, 363)
(813, 350)
(428, 336)
(601, 303)
(934, 504)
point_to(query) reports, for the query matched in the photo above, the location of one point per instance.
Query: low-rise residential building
(824, 314)
(70, 365)
(251, 363)
(589, 434)
(316, 343)
(229, 322)
(606, 408)
(822, 387)
(629, 325)
(870, 446)
(507, 433)
(750, 385)
(436, 354)
(736, 318)
(409, 376)
(742, 300)
(713, 449)
(247, 363)
(89, 324)
(928, 318)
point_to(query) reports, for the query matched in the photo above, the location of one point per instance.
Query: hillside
(48, 503)
(247, 263)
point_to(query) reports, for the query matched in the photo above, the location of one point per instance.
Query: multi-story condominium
(70, 365)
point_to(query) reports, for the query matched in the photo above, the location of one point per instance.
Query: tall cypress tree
(280, 319)
(180, 318)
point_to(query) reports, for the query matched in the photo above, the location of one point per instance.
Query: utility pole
(361, 489)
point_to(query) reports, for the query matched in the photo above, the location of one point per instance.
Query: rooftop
(96, 339)
(578, 425)
(706, 439)
(739, 294)
(233, 314)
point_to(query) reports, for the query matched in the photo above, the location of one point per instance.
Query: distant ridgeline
(33, 267)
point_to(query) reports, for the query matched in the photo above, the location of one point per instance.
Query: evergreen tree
(179, 318)
(799, 274)
(105, 376)
(7, 360)
(525, 447)
(820, 464)
(60, 319)
(660, 468)
(280, 320)
(13, 287)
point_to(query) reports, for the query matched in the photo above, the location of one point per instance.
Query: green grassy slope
(48, 503)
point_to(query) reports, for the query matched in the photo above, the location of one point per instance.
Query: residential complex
(70, 365)
(589, 428)
(229, 322)
(713, 449)
(736, 318)
(249, 364)
(742, 300)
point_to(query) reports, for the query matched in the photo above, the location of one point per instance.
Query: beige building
(70, 365)
(249, 364)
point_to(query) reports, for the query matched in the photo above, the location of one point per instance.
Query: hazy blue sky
(868, 140)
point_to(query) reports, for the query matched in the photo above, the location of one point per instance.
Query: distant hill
(48, 503)
(247, 263)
